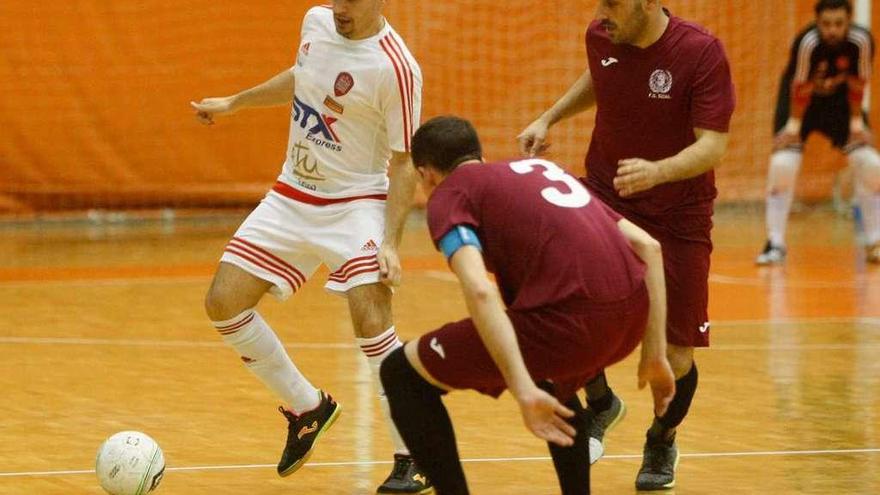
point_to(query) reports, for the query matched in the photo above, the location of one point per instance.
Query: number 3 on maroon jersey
(577, 196)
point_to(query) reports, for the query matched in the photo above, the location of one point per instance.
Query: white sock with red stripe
(263, 354)
(377, 349)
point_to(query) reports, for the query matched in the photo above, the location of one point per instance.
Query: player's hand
(655, 371)
(532, 141)
(209, 107)
(545, 417)
(389, 265)
(635, 175)
(784, 139)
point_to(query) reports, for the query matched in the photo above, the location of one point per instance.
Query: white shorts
(283, 241)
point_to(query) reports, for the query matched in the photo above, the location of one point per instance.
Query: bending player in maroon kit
(577, 296)
(664, 99)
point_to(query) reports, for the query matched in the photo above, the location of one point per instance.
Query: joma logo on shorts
(316, 124)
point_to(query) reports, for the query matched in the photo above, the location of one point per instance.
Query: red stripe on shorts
(268, 258)
(295, 194)
(353, 267)
(247, 257)
(369, 269)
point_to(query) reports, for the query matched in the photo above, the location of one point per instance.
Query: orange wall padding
(95, 106)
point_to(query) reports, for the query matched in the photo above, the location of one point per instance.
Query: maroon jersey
(649, 100)
(543, 235)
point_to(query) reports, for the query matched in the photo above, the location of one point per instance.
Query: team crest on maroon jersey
(344, 83)
(660, 83)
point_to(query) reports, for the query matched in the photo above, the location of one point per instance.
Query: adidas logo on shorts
(370, 246)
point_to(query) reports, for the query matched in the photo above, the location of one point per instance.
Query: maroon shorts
(687, 245)
(566, 343)
(686, 263)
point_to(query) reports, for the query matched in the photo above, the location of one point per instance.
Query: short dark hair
(445, 142)
(823, 5)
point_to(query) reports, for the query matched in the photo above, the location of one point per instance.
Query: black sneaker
(602, 423)
(406, 477)
(303, 431)
(659, 461)
(771, 255)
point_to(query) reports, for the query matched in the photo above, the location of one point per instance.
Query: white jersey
(355, 102)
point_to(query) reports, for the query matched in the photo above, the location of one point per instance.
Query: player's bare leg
(230, 303)
(660, 458)
(370, 307)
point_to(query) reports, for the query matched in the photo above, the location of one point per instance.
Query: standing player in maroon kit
(664, 99)
(567, 316)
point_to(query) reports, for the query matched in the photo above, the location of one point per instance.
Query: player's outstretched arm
(276, 91)
(402, 176)
(579, 97)
(542, 413)
(654, 367)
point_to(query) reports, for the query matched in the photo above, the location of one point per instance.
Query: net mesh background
(95, 108)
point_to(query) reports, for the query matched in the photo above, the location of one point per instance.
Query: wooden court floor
(102, 330)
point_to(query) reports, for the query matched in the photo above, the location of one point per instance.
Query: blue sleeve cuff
(457, 238)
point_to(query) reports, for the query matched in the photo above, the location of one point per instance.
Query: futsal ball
(130, 463)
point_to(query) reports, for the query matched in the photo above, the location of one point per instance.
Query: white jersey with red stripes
(355, 102)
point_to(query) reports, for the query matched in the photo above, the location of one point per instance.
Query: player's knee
(371, 320)
(371, 325)
(784, 166)
(393, 369)
(221, 305)
(866, 162)
(395, 372)
(370, 307)
(398, 376)
(681, 359)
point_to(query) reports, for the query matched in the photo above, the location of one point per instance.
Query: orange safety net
(95, 107)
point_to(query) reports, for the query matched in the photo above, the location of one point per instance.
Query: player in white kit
(356, 93)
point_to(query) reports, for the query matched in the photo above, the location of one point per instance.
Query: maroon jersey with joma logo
(544, 236)
(649, 100)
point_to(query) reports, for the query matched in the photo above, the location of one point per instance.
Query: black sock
(423, 423)
(598, 393)
(685, 387)
(573, 463)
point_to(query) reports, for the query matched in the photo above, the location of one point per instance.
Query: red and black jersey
(812, 60)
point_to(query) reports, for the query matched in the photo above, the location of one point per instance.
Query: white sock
(377, 349)
(262, 352)
(866, 162)
(781, 178)
(778, 208)
(870, 205)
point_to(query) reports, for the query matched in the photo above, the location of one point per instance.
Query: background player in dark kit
(822, 90)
